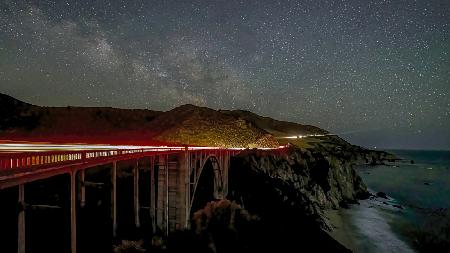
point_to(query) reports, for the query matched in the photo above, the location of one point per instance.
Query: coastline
(366, 228)
(341, 232)
(422, 188)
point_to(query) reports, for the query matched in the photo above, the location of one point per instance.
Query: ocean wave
(372, 229)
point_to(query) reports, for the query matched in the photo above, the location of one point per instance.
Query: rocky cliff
(276, 203)
(289, 192)
(307, 180)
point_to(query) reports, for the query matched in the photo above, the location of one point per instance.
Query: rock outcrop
(306, 180)
(276, 203)
(288, 191)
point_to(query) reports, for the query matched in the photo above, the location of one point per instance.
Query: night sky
(376, 72)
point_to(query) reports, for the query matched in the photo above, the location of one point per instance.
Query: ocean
(415, 217)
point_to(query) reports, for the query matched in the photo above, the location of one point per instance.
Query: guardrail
(28, 159)
(23, 160)
(34, 159)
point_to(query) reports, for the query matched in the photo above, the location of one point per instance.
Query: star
(345, 66)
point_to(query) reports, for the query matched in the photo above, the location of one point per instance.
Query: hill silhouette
(186, 124)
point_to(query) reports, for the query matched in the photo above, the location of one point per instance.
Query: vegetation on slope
(206, 127)
(275, 127)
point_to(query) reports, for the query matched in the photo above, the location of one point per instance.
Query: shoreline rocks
(295, 188)
(382, 195)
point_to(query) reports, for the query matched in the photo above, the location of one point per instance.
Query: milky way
(377, 72)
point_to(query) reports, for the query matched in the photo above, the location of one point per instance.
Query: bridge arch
(209, 182)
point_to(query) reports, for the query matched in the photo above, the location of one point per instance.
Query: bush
(129, 247)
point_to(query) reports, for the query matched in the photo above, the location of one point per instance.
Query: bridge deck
(25, 162)
(17, 168)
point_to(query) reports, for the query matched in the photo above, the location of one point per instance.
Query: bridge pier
(21, 220)
(186, 167)
(162, 194)
(166, 195)
(82, 188)
(114, 198)
(73, 212)
(137, 206)
(225, 169)
(152, 194)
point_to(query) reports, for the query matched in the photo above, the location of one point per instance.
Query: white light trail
(66, 147)
(45, 147)
(304, 136)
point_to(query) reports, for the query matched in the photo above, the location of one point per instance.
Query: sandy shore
(341, 230)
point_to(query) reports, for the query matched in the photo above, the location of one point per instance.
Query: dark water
(421, 188)
(424, 184)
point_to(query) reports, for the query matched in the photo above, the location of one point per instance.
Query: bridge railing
(23, 160)
(32, 159)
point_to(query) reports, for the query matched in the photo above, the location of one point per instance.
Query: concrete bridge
(172, 187)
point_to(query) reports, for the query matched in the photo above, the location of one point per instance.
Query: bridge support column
(137, 206)
(73, 213)
(82, 187)
(152, 194)
(162, 204)
(21, 220)
(226, 167)
(186, 167)
(114, 199)
(218, 176)
(166, 193)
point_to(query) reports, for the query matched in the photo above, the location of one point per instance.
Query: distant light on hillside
(304, 136)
